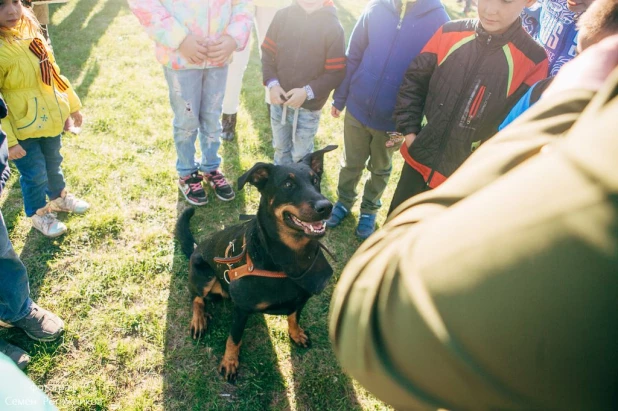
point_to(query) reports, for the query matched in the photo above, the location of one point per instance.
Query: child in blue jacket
(385, 40)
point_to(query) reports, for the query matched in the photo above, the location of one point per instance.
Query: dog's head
(291, 197)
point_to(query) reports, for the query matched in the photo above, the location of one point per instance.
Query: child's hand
(77, 118)
(16, 152)
(220, 50)
(277, 95)
(296, 97)
(193, 49)
(410, 139)
(334, 112)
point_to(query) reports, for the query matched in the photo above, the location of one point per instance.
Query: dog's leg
(229, 364)
(199, 321)
(218, 290)
(296, 333)
(201, 281)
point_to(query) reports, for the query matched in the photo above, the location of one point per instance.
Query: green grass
(118, 278)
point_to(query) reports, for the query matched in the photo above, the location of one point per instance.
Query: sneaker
(16, 354)
(191, 187)
(228, 121)
(68, 203)
(39, 324)
(338, 214)
(48, 224)
(223, 190)
(366, 225)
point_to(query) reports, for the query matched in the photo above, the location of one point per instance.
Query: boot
(228, 121)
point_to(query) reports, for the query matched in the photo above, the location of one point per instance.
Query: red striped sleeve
(338, 63)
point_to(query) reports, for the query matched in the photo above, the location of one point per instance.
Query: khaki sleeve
(494, 291)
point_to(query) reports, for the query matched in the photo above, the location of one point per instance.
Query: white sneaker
(48, 224)
(69, 203)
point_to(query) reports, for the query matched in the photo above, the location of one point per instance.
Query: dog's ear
(258, 176)
(315, 160)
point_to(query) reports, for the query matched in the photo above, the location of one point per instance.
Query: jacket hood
(418, 8)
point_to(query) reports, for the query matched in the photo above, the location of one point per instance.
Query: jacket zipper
(457, 104)
(390, 52)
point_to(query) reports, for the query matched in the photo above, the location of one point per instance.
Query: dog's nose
(323, 207)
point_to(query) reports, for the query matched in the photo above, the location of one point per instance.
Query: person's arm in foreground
(497, 289)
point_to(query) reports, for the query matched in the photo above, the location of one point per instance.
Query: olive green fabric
(498, 289)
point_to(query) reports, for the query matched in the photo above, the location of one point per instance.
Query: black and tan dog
(271, 264)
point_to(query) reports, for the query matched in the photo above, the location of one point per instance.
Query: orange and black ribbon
(47, 68)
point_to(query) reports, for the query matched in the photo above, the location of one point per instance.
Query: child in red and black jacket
(463, 83)
(303, 60)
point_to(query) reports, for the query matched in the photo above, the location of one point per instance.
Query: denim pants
(293, 135)
(14, 288)
(196, 97)
(40, 172)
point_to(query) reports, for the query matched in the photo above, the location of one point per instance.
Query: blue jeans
(14, 288)
(293, 139)
(40, 172)
(196, 97)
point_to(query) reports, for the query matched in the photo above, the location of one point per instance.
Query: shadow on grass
(72, 52)
(36, 254)
(191, 378)
(190, 370)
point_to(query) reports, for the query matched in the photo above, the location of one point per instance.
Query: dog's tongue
(313, 227)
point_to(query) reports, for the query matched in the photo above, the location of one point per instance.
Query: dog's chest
(271, 296)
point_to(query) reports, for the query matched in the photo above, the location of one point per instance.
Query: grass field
(118, 278)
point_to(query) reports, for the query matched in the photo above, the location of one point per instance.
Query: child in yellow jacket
(39, 100)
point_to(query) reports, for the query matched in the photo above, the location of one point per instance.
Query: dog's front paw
(229, 369)
(199, 324)
(300, 338)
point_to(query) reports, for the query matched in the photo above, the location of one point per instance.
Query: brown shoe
(39, 324)
(16, 354)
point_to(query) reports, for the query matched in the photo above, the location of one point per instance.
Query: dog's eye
(288, 184)
(316, 181)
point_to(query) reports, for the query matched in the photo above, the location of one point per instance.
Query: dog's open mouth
(313, 228)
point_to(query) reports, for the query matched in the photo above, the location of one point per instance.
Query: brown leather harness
(233, 274)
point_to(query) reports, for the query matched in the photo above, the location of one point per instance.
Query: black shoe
(39, 324)
(217, 181)
(228, 121)
(16, 354)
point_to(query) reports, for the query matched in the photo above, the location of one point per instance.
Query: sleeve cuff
(409, 130)
(272, 83)
(309, 91)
